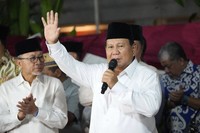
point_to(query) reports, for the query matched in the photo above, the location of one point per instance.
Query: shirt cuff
(52, 47)
(42, 114)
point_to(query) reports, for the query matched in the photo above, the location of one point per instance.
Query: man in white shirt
(133, 96)
(32, 102)
(141, 45)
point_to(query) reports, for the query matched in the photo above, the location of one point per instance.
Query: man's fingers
(26, 101)
(43, 21)
(34, 100)
(51, 21)
(56, 19)
(48, 18)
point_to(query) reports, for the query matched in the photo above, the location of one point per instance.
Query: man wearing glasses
(32, 102)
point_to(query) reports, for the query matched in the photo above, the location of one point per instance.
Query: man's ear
(18, 62)
(182, 61)
(134, 48)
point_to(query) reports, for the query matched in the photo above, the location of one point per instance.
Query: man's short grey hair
(174, 51)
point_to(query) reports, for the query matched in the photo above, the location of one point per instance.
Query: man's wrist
(20, 116)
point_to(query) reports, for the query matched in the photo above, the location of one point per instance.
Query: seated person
(8, 68)
(71, 89)
(181, 88)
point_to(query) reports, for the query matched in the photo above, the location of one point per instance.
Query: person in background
(8, 68)
(133, 95)
(139, 40)
(71, 89)
(141, 45)
(181, 84)
(32, 102)
(86, 94)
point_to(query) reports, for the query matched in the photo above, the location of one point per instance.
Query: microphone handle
(104, 87)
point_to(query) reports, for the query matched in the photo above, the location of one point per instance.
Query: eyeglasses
(34, 58)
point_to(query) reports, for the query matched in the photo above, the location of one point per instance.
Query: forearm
(193, 103)
(52, 118)
(8, 122)
(145, 103)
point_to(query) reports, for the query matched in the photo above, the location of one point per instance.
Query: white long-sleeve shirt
(50, 99)
(128, 107)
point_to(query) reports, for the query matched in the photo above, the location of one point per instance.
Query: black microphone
(112, 65)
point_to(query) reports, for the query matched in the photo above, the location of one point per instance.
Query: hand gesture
(51, 29)
(176, 96)
(110, 78)
(27, 106)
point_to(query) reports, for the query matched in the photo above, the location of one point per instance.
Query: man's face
(121, 50)
(49, 72)
(31, 63)
(172, 67)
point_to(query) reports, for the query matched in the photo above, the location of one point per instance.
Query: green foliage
(24, 17)
(193, 15)
(73, 32)
(180, 2)
(45, 6)
(18, 16)
(197, 2)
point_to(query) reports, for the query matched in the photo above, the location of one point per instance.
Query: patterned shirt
(8, 68)
(180, 116)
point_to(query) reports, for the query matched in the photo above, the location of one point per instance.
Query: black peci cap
(136, 32)
(118, 30)
(28, 45)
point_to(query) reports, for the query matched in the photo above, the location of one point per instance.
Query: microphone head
(112, 64)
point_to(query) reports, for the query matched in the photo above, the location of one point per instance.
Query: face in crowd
(31, 63)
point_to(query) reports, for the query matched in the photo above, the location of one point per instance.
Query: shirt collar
(130, 69)
(39, 78)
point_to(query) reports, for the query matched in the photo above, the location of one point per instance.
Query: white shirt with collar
(50, 99)
(130, 106)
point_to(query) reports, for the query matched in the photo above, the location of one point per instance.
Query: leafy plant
(182, 2)
(18, 16)
(193, 15)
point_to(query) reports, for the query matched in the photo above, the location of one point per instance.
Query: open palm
(51, 30)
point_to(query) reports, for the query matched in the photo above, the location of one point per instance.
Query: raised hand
(51, 29)
(27, 106)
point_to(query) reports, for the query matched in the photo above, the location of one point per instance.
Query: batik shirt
(8, 68)
(180, 116)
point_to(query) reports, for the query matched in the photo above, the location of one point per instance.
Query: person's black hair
(144, 46)
(4, 31)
